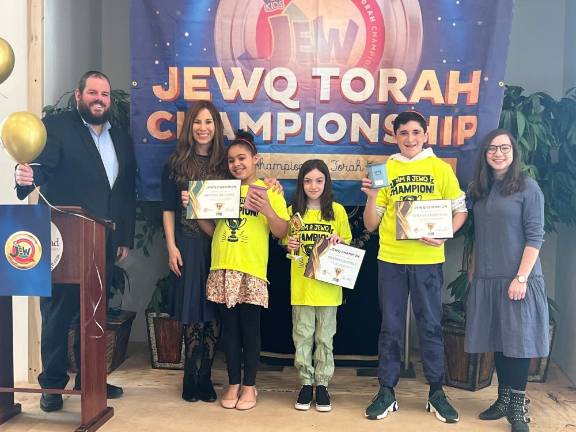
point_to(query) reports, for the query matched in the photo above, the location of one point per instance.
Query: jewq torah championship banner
(318, 78)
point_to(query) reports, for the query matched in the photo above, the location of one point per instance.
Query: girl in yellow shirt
(237, 279)
(315, 303)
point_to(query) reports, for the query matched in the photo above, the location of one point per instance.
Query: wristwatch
(521, 278)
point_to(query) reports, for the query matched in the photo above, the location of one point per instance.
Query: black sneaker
(51, 402)
(438, 404)
(383, 403)
(304, 398)
(323, 399)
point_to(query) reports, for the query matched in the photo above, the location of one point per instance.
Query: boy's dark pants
(424, 282)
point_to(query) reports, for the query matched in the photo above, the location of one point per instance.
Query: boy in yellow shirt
(411, 266)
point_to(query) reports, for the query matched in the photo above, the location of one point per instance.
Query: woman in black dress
(199, 155)
(507, 310)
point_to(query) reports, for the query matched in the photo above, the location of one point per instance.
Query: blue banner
(318, 79)
(25, 263)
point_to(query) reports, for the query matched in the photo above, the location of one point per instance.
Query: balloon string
(93, 306)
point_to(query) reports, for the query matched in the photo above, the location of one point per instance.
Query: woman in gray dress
(507, 310)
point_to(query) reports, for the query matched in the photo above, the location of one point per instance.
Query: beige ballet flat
(230, 403)
(246, 405)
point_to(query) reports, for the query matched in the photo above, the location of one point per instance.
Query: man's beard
(90, 118)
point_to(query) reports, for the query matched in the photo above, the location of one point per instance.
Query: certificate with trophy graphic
(417, 219)
(214, 199)
(336, 264)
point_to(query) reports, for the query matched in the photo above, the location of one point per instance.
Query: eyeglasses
(504, 148)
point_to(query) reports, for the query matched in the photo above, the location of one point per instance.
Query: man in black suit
(87, 163)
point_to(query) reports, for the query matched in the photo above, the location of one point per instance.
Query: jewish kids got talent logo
(23, 250)
(300, 34)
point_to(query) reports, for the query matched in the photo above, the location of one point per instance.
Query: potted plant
(463, 370)
(545, 130)
(165, 335)
(118, 324)
(119, 321)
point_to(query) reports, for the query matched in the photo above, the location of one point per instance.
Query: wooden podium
(83, 262)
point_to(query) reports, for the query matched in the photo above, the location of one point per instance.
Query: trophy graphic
(219, 206)
(430, 226)
(337, 271)
(234, 225)
(295, 226)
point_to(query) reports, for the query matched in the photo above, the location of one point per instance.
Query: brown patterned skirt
(232, 287)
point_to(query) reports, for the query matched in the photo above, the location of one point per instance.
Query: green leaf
(506, 120)
(521, 122)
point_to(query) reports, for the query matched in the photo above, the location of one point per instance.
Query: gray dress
(503, 226)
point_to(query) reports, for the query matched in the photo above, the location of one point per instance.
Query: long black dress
(189, 303)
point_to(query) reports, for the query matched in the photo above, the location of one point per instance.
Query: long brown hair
(513, 180)
(183, 162)
(327, 197)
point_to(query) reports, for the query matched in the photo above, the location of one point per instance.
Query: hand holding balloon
(23, 136)
(24, 175)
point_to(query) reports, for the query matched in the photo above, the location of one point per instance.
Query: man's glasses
(504, 148)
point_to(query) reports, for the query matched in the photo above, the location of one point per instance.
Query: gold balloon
(23, 136)
(6, 60)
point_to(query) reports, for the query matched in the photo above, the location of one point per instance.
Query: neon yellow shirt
(428, 178)
(242, 244)
(310, 292)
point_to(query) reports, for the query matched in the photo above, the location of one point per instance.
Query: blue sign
(26, 247)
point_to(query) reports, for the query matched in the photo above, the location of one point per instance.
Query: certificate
(214, 199)
(336, 264)
(417, 219)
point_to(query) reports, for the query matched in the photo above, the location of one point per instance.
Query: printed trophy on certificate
(296, 224)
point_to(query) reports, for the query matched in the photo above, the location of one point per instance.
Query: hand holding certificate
(214, 199)
(417, 219)
(336, 264)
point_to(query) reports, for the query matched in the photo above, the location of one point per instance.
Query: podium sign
(26, 246)
(82, 263)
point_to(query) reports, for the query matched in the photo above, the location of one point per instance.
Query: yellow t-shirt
(310, 292)
(429, 178)
(242, 244)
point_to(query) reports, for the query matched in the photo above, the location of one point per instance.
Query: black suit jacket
(71, 172)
